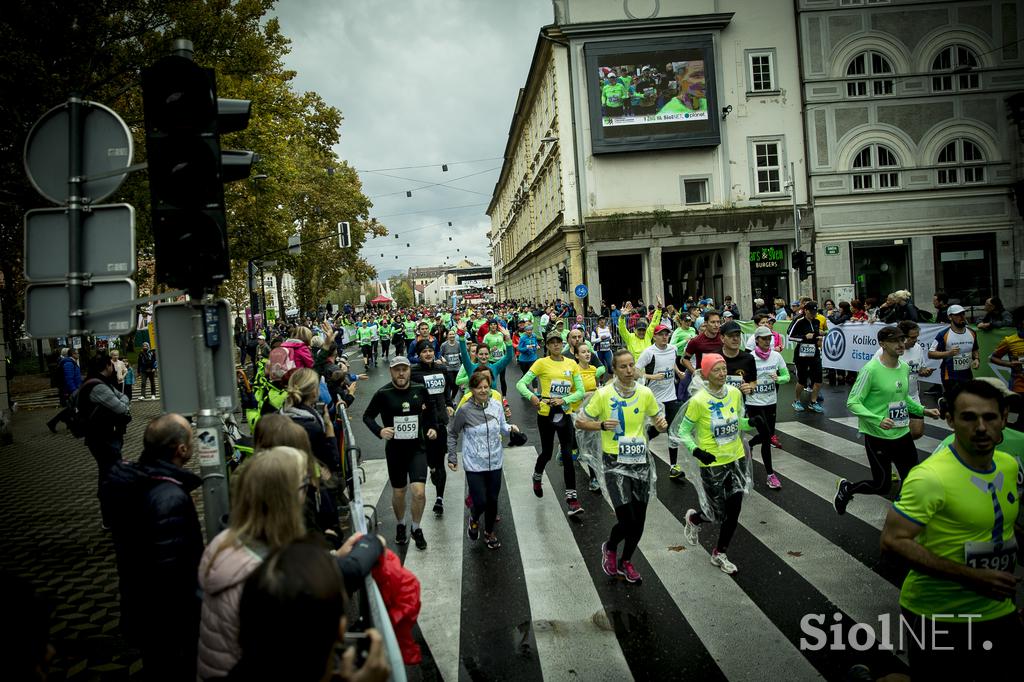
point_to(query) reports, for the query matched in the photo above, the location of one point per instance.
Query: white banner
(849, 346)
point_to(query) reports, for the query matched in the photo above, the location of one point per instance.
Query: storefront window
(880, 268)
(965, 267)
(769, 272)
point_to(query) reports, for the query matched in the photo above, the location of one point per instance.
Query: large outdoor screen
(652, 94)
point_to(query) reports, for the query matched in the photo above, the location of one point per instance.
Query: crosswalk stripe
(850, 585)
(835, 444)
(565, 608)
(925, 444)
(440, 568)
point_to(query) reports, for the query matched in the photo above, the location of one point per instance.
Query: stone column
(654, 284)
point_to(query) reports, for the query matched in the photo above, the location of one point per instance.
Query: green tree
(401, 292)
(97, 49)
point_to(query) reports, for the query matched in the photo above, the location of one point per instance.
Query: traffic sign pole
(75, 277)
(209, 436)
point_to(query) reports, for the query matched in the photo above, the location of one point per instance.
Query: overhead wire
(446, 184)
(429, 165)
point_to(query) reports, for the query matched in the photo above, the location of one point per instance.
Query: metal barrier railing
(371, 602)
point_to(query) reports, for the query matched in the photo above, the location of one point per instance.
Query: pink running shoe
(775, 441)
(608, 560)
(773, 482)
(629, 573)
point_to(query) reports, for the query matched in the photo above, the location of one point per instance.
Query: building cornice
(603, 29)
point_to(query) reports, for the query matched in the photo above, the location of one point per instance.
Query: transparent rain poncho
(629, 481)
(718, 482)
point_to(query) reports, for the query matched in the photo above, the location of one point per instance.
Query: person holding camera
(108, 413)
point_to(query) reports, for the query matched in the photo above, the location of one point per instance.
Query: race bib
(407, 427)
(898, 414)
(725, 431)
(434, 383)
(998, 556)
(765, 385)
(734, 380)
(614, 100)
(560, 388)
(498, 352)
(961, 362)
(453, 359)
(632, 451)
(914, 367)
(604, 345)
(806, 350)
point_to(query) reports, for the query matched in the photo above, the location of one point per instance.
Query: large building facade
(639, 205)
(911, 154)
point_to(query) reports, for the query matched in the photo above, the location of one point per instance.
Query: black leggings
(764, 436)
(437, 451)
(385, 346)
(484, 487)
(564, 428)
(671, 409)
(732, 518)
(882, 454)
(451, 389)
(501, 378)
(373, 347)
(366, 352)
(630, 527)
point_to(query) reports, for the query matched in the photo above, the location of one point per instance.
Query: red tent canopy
(381, 299)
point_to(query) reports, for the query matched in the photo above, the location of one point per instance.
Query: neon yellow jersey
(494, 394)
(631, 412)
(590, 374)
(967, 517)
(717, 424)
(558, 379)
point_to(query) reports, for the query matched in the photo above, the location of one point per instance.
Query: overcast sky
(419, 82)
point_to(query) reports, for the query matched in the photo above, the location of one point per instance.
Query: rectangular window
(761, 71)
(695, 191)
(768, 166)
(974, 174)
(947, 176)
(862, 181)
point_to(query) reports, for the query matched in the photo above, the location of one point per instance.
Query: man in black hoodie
(158, 543)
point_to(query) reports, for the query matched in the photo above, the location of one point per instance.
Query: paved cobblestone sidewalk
(50, 528)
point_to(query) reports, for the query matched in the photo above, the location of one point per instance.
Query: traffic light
(563, 279)
(187, 169)
(803, 262)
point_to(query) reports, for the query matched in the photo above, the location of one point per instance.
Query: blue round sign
(581, 291)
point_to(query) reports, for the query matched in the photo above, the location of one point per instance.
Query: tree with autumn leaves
(98, 49)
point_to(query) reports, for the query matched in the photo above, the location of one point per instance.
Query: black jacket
(439, 402)
(158, 543)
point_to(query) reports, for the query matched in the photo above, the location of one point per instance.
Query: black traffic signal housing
(803, 263)
(563, 279)
(187, 170)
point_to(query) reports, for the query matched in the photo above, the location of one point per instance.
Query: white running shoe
(719, 559)
(692, 530)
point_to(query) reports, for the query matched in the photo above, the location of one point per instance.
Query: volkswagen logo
(835, 344)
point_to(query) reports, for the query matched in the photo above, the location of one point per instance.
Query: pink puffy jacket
(300, 353)
(222, 581)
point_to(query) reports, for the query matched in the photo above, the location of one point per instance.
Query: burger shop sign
(767, 258)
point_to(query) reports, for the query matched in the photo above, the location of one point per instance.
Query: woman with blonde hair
(268, 494)
(298, 346)
(321, 511)
(301, 407)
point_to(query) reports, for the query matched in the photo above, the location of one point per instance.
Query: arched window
(961, 63)
(874, 167)
(869, 67)
(960, 160)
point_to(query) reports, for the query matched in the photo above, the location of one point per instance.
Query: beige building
(679, 186)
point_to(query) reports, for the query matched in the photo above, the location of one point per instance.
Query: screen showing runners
(653, 93)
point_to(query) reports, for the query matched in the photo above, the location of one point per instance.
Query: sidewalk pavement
(50, 525)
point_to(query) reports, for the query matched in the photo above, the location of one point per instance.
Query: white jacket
(482, 429)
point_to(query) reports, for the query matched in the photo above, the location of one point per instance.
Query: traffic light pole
(75, 277)
(210, 448)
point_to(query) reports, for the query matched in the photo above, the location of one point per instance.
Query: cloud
(419, 82)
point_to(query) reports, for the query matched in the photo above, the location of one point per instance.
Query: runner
(806, 332)
(708, 340)
(602, 340)
(483, 355)
(483, 422)
(527, 346)
(880, 401)
(710, 430)
(453, 362)
(620, 410)
(560, 384)
(404, 409)
(957, 347)
(660, 371)
(591, 376)
(495, 339)
(954, 524)
(913, 355)
(374, 338)
(433, 375)
(642, 334)
(771, 373)
(385, 332)
(363, 336)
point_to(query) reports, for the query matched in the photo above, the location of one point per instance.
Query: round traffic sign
(106, 146)
(581, 291)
